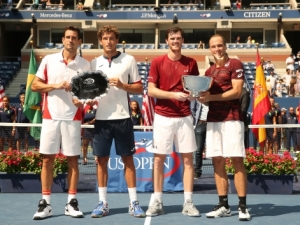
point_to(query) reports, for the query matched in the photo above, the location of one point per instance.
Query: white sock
(102, 194)
(132, 194)
(47, 198)
(71, 196)
(187, 195)
(158, 196)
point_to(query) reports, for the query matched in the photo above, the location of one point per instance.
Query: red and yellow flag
(261, 102)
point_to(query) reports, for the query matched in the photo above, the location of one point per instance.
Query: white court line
(147, 220)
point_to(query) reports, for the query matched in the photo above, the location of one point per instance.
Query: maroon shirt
(166, 74)
(220, 111)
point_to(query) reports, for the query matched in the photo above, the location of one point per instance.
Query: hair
(287, 69)
(138, 106)
(108, 29)
(174, 30)
(8, 99)
(75, 29)
(218, 35)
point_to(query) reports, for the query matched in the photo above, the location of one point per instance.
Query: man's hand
(180, 96)
(204, 97)
(116, 82)
(77, 102)
(63, 85)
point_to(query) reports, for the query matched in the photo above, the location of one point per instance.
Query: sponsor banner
(143, 161)
(149, 15)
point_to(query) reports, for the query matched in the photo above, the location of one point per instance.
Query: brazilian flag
(32, 108)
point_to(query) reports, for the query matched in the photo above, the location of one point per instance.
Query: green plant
(258, 163)
(29, 162)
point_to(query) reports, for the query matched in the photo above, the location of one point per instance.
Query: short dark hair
(72, 28)
(174, 30)
(218, 35)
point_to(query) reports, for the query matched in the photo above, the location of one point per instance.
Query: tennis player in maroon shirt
(173, 122)
(225, 128)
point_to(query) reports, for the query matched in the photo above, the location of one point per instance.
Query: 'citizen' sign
(257, 14)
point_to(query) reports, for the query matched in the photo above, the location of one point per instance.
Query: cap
(283, 109)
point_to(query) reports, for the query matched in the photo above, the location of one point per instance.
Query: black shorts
(87, 133)
(6, 132)
(119, 130)
(22, 133)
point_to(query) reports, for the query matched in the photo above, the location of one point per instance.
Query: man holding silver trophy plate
(225, 127)
(62, 117)
(173, 122)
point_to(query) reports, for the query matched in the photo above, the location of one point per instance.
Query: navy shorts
(22, 133)
(119, 130)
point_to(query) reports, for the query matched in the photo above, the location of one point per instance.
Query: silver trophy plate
(196, 84)
(89, 85)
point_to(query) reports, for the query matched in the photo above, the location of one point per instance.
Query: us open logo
(88, 81)
(144, 161)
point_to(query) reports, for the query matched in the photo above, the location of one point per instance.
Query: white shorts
(225, 139)
(168, 131)
(56, 132)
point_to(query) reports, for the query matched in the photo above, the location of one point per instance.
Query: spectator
(287, 79)
(199, 112)
(269, 87)
(290, 63)
(298, 81)
(238, 4)
(249, 40)
(245, 102)
(44, 3)
(176, 2)
(201, 45)
(276, 108)
(283, 130)
(7, 115)
(136, 115)
(291, 132)
(87, 133)
(269, 66)
(238, 40)
(80, 5)
(279, 88)
(293, 86)
(22, 133)
(273, 79)
(270, 118)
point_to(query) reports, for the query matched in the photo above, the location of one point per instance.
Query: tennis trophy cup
(89, 85)
(196, 84)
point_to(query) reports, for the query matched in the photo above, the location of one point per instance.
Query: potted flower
(18, 168)
(269, 173)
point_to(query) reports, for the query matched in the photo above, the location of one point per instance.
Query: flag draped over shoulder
(32, 108)
(261, 102)
(148, 104)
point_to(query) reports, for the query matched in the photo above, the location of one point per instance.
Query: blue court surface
(18, 209)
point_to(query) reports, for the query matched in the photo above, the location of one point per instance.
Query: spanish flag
(261, 102)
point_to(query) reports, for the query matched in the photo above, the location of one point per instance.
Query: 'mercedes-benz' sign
(257, 14)
(56, 15)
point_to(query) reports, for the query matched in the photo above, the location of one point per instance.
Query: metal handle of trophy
(195, 94)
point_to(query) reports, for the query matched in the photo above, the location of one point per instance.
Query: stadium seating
(49, 45)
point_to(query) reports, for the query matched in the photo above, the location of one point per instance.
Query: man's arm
(234, 93)
(38, 85)
(155, 92)
(136, 88)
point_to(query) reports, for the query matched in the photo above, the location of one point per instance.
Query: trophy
(89, 85)
(196, 84)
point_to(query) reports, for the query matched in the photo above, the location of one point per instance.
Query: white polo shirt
(115, 105)
(53, 69)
